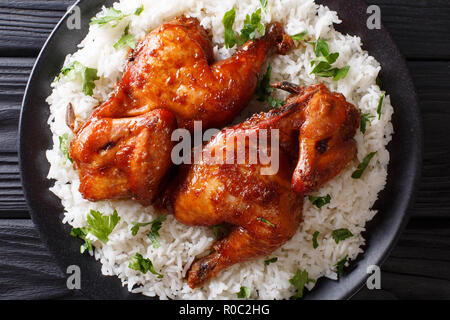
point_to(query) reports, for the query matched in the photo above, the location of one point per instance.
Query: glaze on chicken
(121, 152)
(316, 129)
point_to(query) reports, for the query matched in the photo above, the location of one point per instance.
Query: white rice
(352, 199)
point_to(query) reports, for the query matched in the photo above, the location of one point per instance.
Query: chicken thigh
(314, 132)
(170, 72)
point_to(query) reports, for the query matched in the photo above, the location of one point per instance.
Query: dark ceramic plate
(383, 231)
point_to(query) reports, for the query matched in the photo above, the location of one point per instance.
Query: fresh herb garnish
(138, 263)
(154, 231)
(300, 36)
(153, 235)
(324, 59)
(102, 226)
(269, 261)
(340, 265)
(363, 166)
(82, 233)
(88, 76)
(139, 10)
(114, 15)
(319, 202)
(264, 90)
(252, 26)
(380, 105)
(126, 40)
(266, 222)
(64, 146)
(365, 119)
(299, 281)
(314, 239)
(244, 293)
(228, 22)
(264, 4)
(341, 234)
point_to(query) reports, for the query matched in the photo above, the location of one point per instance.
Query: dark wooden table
(419, 266)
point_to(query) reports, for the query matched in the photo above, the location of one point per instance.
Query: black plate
(383, 231)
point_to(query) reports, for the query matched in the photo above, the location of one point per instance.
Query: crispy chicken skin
(123, 151)
(316, 129)
(173, 68)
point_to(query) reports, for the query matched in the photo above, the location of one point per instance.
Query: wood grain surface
(419, 266)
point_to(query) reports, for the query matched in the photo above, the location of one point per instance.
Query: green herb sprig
(88, 76)
(363, 166)
(64, 146)
(341, 234)
(324, 60)
(244, 293)
(138, 263)
(264, 90)
(153, 234)
(319, 202)
(299, 281)
(126, 40)
(114, 15)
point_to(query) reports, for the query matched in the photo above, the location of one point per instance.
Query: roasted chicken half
(315, 129)
(121, 152)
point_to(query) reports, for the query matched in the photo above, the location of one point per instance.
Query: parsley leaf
(264, 4)
(341, 235)
(266, 222)
(113, 15)
(264, 90)
(324, 59)
(138, 263)
(299, 281)
(269, 261)
(244, 293)
(102, 226)
(380, 105)
(82, 233)
(126, 40)
(365, 118)
(64, 146)
(154, 231)
(139, 10)
(110, 16)
(88, 76)
(340, 265)
(363, 166)
(252, 25)
(228, 22)
(300, 36)
(319, 202)
(314, 239)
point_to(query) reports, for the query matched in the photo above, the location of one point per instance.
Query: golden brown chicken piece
(264, 209)
(171, 69)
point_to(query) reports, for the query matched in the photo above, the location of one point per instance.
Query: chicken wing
(171, 72)
(315, 128)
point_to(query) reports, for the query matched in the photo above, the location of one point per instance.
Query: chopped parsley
(88, 76)
(319, 202)
(153, 235)
(264, 4)
(314, 239)
(264, 90)
(266, 222)
(324, 60)
(340, 265)
(380, 105)
(269, 261)
(252, 26)
(363, 166)
(102, 226)
(365, 119)
(82, 233)
(64, 146)
(114, 15)
(138, 263)
(299, 281)
(244, 293)
(228, 22)
(300, 36)
(99, 226)
(126, 40)
(341, 234)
